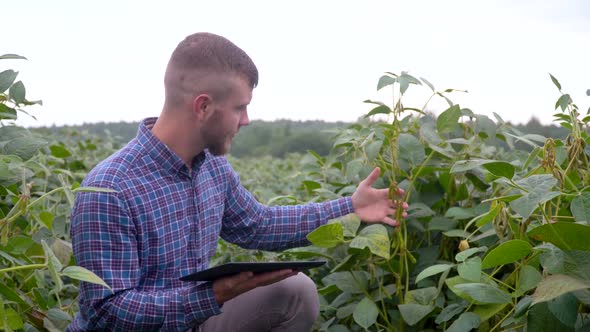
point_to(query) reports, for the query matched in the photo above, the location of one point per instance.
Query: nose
(244, 120)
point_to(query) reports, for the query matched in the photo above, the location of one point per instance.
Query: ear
(203, 106)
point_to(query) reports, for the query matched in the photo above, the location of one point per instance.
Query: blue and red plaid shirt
(163, 222)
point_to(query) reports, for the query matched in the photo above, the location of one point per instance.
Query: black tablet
(228, 269)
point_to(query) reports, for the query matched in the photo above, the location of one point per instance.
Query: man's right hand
(227, 288)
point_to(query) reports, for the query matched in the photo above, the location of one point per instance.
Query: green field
(496, 236)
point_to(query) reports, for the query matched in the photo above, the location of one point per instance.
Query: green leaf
(422, 295)
(470, 269)
(410, 150)
(554, 286)
(456, 233)
(54, 265)
(447, 120)
(19, 244)
(580, 207)
(460, 213)
(484, 293)
(564, 235)
(17, 92)
(43, 298)
(487, 311)
(59, 151)
(346, 310)
(350, 224)
(381, 109)
(433, 270)
(565, 309)
(384, 81)
(80, 273)
(563, 102)
(321, 160)
(375, 238)
(11, 294)
(428, 83)
(13, 319)
(489, 216)
(413, 313)
(575, 263)
(451, 311)
(540, 183)
(353, 168)
(500, 168)
(530, 202)
(13, 57)
(540, 318)
(428, 133)
(552, 259)
(485, 125)
(522, 306)
(530, 139)
(366, 312)
(383, 293)
(566, 125)
(338, 328)
(439, 223)
(561, 116)
(8, 173)
(528, 279)
(7, 77)
(463, 255)
(57, 320)
(507, 252)
(327, 236)
(7, 112)
(420, 210)
(467, 165)
(346, 282)
(372, 149)
(466, 322)
(556, 82)
(62, 250)
(19, 141)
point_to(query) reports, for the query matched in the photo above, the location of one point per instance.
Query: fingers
(268, 278)
(390, 222)
(370, 180)
(229, 287)
(396, 204)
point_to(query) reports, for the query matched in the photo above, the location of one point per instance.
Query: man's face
(229, 115)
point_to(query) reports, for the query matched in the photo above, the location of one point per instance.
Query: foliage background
(495, 239)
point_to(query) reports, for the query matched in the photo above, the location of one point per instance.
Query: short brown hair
(202, 58)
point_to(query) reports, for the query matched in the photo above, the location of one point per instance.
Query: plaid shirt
(164, 222)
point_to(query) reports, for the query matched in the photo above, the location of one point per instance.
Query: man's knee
(301, 293)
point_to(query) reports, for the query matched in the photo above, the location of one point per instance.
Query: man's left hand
(373, 205)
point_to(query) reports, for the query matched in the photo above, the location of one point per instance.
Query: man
(176, 194)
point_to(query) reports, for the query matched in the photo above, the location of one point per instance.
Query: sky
(94, 61)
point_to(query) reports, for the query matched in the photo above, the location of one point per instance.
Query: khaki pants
(288, 305)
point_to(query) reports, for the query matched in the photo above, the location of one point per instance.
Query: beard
(218, 147)
(218, 141)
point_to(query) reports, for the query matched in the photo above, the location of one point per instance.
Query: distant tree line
(276, 138)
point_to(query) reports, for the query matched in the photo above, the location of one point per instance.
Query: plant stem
(23, 267)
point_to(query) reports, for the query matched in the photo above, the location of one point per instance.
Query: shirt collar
(161, 153)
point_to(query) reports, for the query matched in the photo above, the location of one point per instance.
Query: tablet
(228, 269)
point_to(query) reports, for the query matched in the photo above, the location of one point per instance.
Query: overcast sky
(105, 60)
